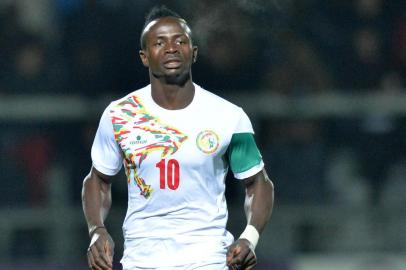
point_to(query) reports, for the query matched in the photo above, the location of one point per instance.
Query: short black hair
(155, 13)
(159, 12)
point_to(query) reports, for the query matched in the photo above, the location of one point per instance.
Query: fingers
(103, 259)
(109, 250)
(91, 262)
(250, 261)
(232, 254)
(237, 256)
(100, 256)
(240, 257)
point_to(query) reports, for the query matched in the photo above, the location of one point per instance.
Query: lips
(172, 63)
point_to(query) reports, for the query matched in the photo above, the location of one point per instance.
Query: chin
(177, 79)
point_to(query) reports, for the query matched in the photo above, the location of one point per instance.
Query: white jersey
(176, 164)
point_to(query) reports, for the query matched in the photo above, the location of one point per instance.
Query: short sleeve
(106, 154)
(243, 124)
(243, 154)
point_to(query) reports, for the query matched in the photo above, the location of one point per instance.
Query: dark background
(322, 81)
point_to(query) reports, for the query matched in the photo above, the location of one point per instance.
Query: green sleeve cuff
(243, 153)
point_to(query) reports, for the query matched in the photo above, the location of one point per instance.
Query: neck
(172, 96)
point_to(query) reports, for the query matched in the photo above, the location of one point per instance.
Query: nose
(171, 47)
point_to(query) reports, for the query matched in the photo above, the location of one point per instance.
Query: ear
(144, 58)
(195, 54)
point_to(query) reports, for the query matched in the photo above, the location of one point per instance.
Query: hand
(241, 255)
(101, 251)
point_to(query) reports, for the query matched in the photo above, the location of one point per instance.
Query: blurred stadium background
(323, 82)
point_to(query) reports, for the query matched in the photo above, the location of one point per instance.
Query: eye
(180, 42)
(158, 43)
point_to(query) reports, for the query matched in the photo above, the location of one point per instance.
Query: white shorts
(175, 254)
(195, 266)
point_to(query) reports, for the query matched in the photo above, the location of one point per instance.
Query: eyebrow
(170, 35)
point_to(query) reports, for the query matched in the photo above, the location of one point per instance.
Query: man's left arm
(258, 209)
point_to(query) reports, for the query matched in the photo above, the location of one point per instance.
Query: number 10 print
(168, 173)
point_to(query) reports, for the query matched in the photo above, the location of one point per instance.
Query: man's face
(168, 49)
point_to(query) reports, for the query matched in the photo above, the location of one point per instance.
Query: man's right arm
(96, 202)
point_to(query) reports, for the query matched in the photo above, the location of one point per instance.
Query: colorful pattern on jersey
(130, 116)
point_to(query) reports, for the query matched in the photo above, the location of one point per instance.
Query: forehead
(166, 26)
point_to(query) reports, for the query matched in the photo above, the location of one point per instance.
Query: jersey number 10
(168, 173)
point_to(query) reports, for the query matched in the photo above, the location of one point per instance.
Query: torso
(176, 166)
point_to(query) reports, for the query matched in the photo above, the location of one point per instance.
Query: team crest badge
(207, 141)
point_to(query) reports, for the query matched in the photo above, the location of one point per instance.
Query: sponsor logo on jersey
(139, 140)
(207, 141)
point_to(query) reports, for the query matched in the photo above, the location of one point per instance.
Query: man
(176, 141)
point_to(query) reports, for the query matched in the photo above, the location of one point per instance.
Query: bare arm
(258, 200)
(96, 198)
(258, 207)
(96, 202)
